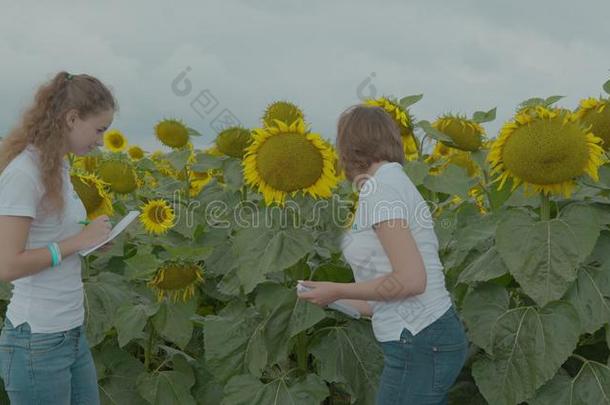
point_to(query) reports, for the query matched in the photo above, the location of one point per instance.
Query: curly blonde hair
(44, 125)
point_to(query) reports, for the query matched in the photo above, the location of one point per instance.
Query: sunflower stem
(420, 145)
(301, 348)
(545, 207)
(244, 193)
(149, 346)
(187, 180)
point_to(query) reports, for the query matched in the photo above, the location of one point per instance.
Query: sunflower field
(196, 302)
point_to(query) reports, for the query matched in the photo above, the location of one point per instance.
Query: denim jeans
(47, 368)
(420, 369)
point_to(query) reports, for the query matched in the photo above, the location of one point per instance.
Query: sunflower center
(116, 141)
(120, 176)
(289, 162)
(177, 276)
(547, 151)
(157, 214)
(88, 194)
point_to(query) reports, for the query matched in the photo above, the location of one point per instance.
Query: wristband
(55, 254)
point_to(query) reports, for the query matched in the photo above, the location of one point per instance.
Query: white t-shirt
(51, 300)
(390, 194)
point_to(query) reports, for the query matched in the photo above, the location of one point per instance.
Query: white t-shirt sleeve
(383, 203)
(19, 194)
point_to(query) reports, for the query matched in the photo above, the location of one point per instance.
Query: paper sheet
(120, 227)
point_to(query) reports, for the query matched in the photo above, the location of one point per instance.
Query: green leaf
(173, 321)
(131, 318)
(247, 389)
(408, 101)
(192, 253)
(543, 256)
(117, 372)
(454, 181)
(531, 102)
(591, 385)
(286, 317)
(435, 133)
(336, 272)
(590, 296)
(475, 233)
(178, 159)
(168, 387)
(349, 354)
(583, 221)
(482, 309)
(466, 392)
(104, 294)
(193, 132)
(486, 267)
(6, 291)
(205, 162)
(529, 345)
(484, 116)
(232, 172)
(230, 341)
(267, 250)
(552, 100)
(142, 266)
(206, 390)
(607, 87)
(417, 171)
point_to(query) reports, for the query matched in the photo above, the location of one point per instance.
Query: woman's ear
(71, 118)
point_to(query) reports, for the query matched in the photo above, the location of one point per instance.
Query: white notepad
(120, 227)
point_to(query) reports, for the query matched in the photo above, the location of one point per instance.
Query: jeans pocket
(447, 363)
(41, 343)
(6, 359)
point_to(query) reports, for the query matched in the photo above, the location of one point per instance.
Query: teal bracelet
(55, 254)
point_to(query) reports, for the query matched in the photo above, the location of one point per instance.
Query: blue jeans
(47, 368)
(420, 369)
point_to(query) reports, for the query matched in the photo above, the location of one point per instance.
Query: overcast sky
(323, 55)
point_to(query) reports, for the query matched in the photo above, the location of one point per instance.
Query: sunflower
(119, 174)
(213, 151)
(404, 121)
(595, 113)
(157, 216)
(135, 152)
(476, 195)
(233, 141)
(286, 159)
(466, 134)
(443, 155)
(283, 111)
(176, 280)
(88, 163)
(115, 141)
(545, 149)
(198, 180)
(172, 133)
(92, 192)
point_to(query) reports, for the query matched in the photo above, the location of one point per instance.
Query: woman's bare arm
(361, 306)
(17, 262)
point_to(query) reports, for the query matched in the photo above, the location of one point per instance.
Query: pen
(86, 222)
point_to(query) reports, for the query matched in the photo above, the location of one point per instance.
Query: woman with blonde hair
(44, 354)
(393, 252)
